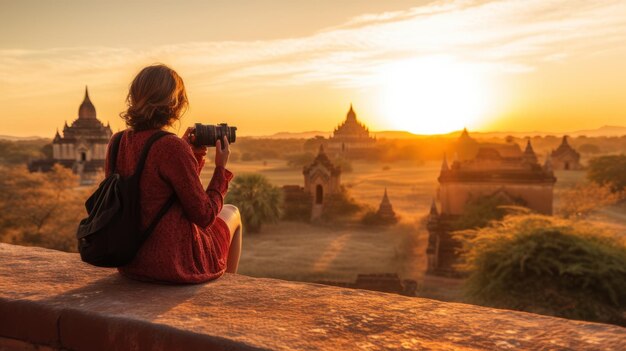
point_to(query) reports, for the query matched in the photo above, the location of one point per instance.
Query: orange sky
(281, 65)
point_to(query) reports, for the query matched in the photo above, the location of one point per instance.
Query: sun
(433, 95)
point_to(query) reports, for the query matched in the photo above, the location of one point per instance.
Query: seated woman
(198, 238)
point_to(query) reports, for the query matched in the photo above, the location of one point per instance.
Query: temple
(385, 213)
(503, 173)
(82, 147)
(351, 138)
(565, 157)
(466, 147)
(321, 179)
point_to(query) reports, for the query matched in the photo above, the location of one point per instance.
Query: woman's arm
(179, 166)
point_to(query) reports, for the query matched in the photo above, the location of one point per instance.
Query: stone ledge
(51, 299)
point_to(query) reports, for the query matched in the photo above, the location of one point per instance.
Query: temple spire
(444, 164)
(529, 148)
(385, 197)
(351, 114)
(385, 213)
(86, 109)
(433, 208)
(548, 164)
(529, 153)
(564, 142)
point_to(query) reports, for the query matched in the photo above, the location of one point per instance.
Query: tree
(339, 205)
(40, 209)
(547, 265)
(583, 199)
(589, 149)
(20, 151)
(257, 199)
(300, 159)
(608, 170)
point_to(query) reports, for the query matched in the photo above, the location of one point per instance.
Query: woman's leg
(230, 215)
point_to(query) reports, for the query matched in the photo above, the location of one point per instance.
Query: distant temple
(466, 147)
(497, 171)
(82, 147)
(565, 157)
(351, 138)
(321, 179)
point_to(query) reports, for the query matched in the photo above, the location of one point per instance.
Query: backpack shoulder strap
(146, 149)
(115, 147)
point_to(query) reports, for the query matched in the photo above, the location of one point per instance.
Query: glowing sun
(432, 95)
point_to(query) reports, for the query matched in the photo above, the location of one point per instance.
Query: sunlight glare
(433, 95)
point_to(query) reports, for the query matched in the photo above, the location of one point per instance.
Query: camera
(209, 134)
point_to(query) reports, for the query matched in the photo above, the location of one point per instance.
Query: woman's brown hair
(156, 98)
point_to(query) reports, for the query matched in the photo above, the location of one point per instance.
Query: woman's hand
(221, 156)
(190, 139)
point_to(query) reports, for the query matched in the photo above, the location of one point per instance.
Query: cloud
(500, 37)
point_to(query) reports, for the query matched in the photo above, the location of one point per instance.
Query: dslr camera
(209, 134)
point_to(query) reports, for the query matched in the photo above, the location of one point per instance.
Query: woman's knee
(230, 214)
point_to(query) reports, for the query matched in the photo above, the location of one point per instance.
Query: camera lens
(209, 134)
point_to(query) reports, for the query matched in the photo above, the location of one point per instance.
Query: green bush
(608, 170)
(480, 211)
(340, 205)
(547, 265)
(257, 199)
(21, 151)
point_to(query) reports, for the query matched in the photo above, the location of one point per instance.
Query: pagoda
(565, 157)
(385, 213)
(466, 147)
(321, 179)
(82, 147)
(351, 138)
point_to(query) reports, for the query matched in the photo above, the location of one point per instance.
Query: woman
(199, 238)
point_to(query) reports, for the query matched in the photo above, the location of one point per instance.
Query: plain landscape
(314, 252)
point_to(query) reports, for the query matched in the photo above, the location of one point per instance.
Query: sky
(282, 65)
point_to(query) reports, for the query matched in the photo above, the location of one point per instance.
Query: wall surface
(51, 300)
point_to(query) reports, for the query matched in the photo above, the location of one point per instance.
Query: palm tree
(257, 199)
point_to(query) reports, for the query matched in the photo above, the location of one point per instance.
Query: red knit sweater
(190, 243)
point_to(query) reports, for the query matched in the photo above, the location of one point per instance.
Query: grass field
(305, 252)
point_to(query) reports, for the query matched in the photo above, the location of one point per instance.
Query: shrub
(340, 205)
(21, 151)
(546, 265)
(480, 211)
(583, 199)
(373, 218)
(257, 199)
(343, 163)
(589, 149)
(608, 170)
(40, 209)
